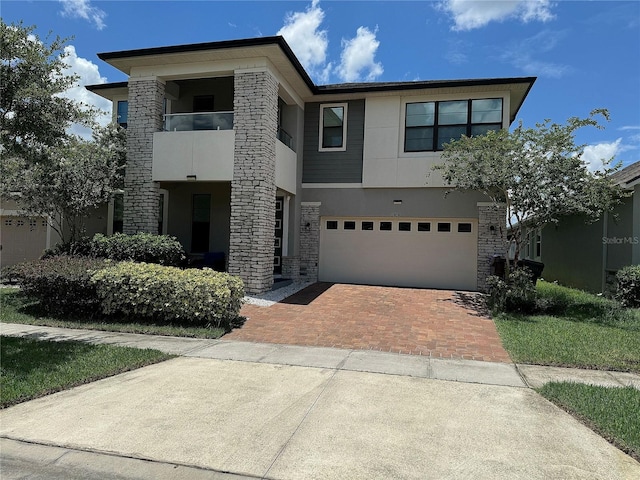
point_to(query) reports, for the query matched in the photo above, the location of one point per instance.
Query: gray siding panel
(333, 167)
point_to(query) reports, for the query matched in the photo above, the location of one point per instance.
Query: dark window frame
(435, 146)
(321, 130)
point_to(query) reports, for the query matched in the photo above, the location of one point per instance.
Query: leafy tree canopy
(48, 170)
(33, 113)
(538, 173)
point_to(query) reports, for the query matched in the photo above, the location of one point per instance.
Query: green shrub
(516, 294)
(169, 294)
(140, 247)
(79, 248)
(628, 286)
(62, 284)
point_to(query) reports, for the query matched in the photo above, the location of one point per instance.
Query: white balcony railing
(187, 122)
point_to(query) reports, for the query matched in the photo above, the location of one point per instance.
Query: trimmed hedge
(62, 284)
(169, 294)
(628, 286)
(140, 247)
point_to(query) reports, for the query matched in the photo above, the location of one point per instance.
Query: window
(424, 226)
(429, 125)
(464, 227)
(123, 113)
(332, 225)
(385, 226)
(118, 212)
(367, 225)
(404, 226)
(538, 243)
(200, 220)
(349, 225)
(444, 227)
(333, 127)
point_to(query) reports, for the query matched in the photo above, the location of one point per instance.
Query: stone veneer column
(490, 242)
(253, 188)
(309, 240)
(146, 98)
(291, 267)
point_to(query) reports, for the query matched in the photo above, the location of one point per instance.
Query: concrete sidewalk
(237, 410)
(489, 373)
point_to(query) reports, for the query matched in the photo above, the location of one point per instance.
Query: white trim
(343, 147)
(310, 204)
(136, 79)
(490, 204)
(331, 185)
(110, 211)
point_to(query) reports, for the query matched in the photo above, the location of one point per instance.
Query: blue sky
(586, 54)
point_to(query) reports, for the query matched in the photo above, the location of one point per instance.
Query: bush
(169, 294)
(140, 247)
(628, 286)
(516, 294)
(79, 248)
(62, 284)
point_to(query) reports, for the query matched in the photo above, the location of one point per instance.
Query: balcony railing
(285, 138)
(186, 122)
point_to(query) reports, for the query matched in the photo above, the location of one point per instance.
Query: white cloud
(630, 127)
(84, 9)
(521, 55)
(88, 74)
(598, 155)
(470, 14)
(357, 61)
(302, 32)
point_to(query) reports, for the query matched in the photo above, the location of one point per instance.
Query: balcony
(194, 145)
(201, 146)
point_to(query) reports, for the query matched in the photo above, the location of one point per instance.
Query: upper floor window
(429, 125)
(333, 127)
(123, 113)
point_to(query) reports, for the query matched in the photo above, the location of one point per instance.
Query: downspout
(605, 246)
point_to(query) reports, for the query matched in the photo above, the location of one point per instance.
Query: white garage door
(21, 238)
(408, 252)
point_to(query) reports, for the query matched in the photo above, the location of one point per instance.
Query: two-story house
(232, 148)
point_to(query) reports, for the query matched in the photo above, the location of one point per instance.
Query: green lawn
(17, 309)
(31, 368)
(610, 411)
(581, 330)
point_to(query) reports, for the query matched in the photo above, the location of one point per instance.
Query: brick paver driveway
(438, 323)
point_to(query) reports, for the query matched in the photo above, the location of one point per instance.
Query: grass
(610, 411)
(579, 330)
(31, 368)
(15, 308)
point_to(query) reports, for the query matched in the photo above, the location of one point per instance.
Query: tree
(34, 115)
(538, 173)
(46, 169)
(78, 177)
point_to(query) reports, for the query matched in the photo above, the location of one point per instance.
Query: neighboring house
(587, 255)
(233, 149)
(25, 237)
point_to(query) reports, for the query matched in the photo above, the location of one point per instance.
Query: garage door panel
(22, 238)
(403, 258)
